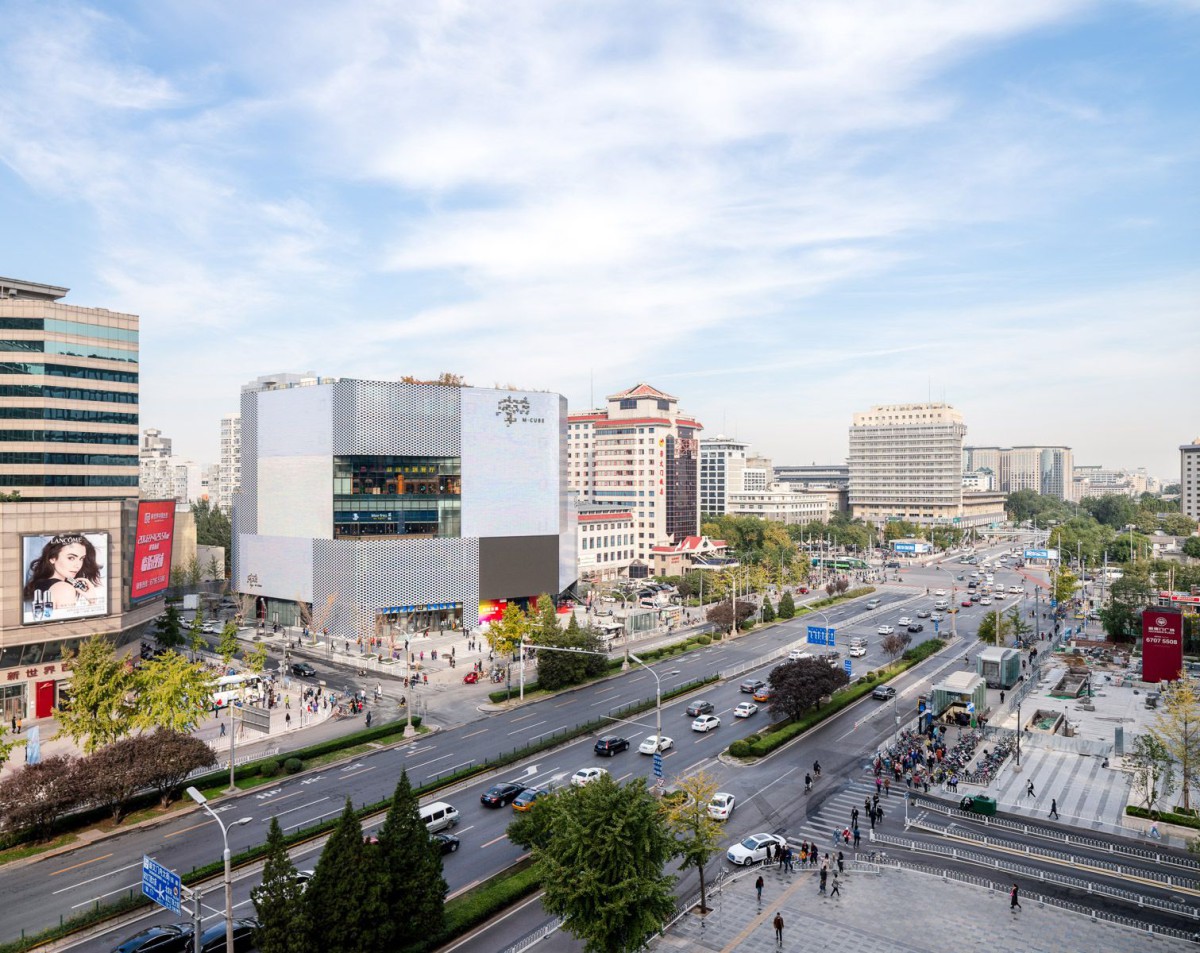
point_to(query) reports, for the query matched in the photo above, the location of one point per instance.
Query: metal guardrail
(536, 936)
(1087, 843)
(1088, 887)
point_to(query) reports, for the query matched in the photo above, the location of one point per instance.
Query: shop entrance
(44, 699)
(13, 698)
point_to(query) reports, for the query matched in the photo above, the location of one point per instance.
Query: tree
(1153, 771)
(342, 902)
(213, 529)
(168, 631)
(99, 712)
(115, 773)
(1018, 626)
(5, 746)
(696, 832)
(228, 645)
(411, 866)
(600, 850)
(1128, 595)
(768, 611)
(892, 645)
(505, 634)
(558, 669)
(990, 632)
(279, 900)
(1062, 587)
(1191, 547)
(172, 693)
(1111, 510)
(172, 756)
(256, 658)
(798, 687)
(33, 797)
(787, 606)
(1177, 728)
(720, 615)
(543, 623)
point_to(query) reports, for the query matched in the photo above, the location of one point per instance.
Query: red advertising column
(1162, 645)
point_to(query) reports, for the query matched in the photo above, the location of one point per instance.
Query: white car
(587, 776)
(923, 613)
(706, 723)
(939, 592)
(886, 630)
(795, 655)
(936, 617)
(745, 710)
(858, 651)
(904, 620)
(654, 743)
(985, 601)
(1016, 589)
(721, 806)
(753, 849)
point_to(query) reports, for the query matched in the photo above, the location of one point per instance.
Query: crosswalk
(834, 811)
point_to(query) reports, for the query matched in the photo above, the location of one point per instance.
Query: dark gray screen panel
(512, 566)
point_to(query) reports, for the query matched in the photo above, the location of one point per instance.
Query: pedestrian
(287, 721)
(787, 859)
(887, 787)
(835, 892)
(222, 735)
(1029, 790)
(20, 724)
(778, 922)
(368, 719)
(1014, 899)
(287, 701)
(841, 862)
(854, 818)
(824, 880)
(1054, 808)
(1002, 698)
(857, 838)
(758, 885)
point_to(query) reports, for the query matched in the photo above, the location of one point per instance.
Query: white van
(941, 605)
(438, 816)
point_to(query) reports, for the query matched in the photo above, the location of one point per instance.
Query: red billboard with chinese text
(152, 548)
(1162, 645)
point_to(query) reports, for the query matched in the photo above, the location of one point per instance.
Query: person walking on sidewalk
(1054, 808)
(758, 885)
(835, 892)
(778, 923)
(824, 880)
(222, 735)
(287, 721)
(1029, 790)
(1014, 899)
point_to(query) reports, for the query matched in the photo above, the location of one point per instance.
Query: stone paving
(892, 910)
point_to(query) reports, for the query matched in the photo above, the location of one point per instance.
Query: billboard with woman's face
(66, 577)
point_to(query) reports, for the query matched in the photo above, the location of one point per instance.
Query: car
(587, 776)
(936, 617)
(904, 620)
(470, 678)
(795, 655)
(654, 743)
(923, 613)
(499, 795)
(893, 565)
(974, 575)
(858, 651)
(874, 603)
(966, 603)
(212, 940)
(975, 597)
(447, 843)
(803, 590)
(745, 710)
(960, 577)
(831, 658)
(1016, 589)
(609, 745)
(303, 669)
(916, 627)
(524, 800)
(884, 692)
(209, 627)
(166, 938)
(763, 694)
(751, 685)
(885, 630)
(698, 708)
(939, 592)
(706, 723)
(721, 806)
(754, 848)
(985, 601)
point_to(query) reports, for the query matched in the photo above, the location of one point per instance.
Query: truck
(191, 602)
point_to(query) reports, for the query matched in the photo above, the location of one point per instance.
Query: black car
(303, 669)
(212, 940)
(168, 938)
(447, 843)
(498, 795)
(916, 627)
(884, 692)
(610, 745)
(751, 685)
(696, 709)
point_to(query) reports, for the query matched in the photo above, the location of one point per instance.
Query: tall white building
(1189, 479)
(722, 464)
(1045, 470)
(229, 475)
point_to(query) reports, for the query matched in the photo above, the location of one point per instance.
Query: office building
(378, 508)
(1044, 470)
(1189, 479)
(640, 452)
(69, 472)
(606, 536)
(722, 462)
(781, 503)
(906, 464)
(229, 476)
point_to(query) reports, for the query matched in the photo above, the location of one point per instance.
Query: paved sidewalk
(893, 910)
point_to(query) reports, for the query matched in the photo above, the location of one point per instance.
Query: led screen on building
(65, 577)
(1162, 645)
(152, 548)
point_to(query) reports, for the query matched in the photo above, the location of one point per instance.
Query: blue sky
(779, 212)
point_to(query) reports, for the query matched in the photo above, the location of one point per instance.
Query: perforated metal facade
(392, 418)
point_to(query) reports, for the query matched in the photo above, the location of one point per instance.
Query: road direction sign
(161, 885)
(658, 771)
(819, 635)
(849, 670)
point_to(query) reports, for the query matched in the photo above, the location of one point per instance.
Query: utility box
(999, 667)
(984, 805)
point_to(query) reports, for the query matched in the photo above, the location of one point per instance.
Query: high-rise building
(1045, 470)
(1189, 479)
(642, 453)
(156, 479)
(68, 488)
(229, 477)
(384, 508)
(906, 464)
(722, 462)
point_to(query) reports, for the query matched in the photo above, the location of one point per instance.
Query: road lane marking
(319, 817)
(527, 727)
(523, 717)
(92, 880)
(81, 864)
(494, 840)
(186, 829)
(433, 761)
(763, 790)
(92, 900)
(302, 807)
(361, 771)
(474, 733)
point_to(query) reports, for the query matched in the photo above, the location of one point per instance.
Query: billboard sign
(1162, 645)
(161, 885)
(1037, 554)
(152, 548)
(904, 547)
(66, 577)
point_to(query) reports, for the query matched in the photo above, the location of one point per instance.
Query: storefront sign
(1162, 645)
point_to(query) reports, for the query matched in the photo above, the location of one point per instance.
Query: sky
(780, 213)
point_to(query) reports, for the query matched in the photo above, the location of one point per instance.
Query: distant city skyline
(780, 213)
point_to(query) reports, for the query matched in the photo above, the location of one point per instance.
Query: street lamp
(203, 802)
(657, 700)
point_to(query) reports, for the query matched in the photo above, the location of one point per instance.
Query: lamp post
(203, 802)
(657, 700)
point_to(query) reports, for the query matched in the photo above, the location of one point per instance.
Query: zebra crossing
(835, 812)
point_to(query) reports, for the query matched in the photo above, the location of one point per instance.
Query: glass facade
(396, 496)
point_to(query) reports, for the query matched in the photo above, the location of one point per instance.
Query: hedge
(1167, 817)
(481, 903)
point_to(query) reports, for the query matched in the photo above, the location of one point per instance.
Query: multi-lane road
(769, 794)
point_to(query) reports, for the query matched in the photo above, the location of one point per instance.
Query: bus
(840, 562)
(245, 686)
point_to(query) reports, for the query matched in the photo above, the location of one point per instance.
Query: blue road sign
(161, 885)
(936, 624)
(819, 635)
(849, 671)
(658, 771)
